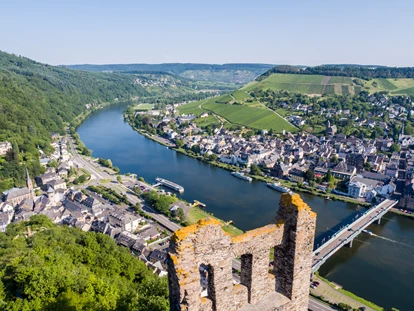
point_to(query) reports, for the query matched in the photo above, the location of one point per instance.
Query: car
(312, 286)
(316, 284)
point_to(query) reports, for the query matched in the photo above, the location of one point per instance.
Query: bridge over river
(346, 235)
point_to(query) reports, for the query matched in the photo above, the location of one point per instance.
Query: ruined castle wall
(206, 243)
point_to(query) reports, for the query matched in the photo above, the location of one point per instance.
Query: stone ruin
(202, 257)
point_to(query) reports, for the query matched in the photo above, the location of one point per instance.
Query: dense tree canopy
(37, 99)
(357, 71)
(62, 268)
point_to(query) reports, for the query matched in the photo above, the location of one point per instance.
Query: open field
(317, 84)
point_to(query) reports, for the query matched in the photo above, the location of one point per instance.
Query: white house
(356, 189)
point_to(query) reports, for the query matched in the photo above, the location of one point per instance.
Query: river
(380, 269)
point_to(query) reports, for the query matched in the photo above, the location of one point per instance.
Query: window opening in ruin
(246, 272)
(205, 279)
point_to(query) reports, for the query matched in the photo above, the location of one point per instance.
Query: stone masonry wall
(206, 244)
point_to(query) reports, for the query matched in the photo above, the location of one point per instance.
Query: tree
(119, 178)
(395, 148)
(335, 159)
(137, 207)
(180, 214)
(255, 170)
(53, 164)
(367, 166)
(179, 143)
(196, 149)
(213, 157)
(309, 175)
(328, 177)
(137, 190)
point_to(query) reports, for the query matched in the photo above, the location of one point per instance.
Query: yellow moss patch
(269, 229)
(296, 201)
(182, 233)
(174, 259)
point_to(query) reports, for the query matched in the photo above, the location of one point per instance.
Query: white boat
(241, 176)
(367, 231)
(278, 187)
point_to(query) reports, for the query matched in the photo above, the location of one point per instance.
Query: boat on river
(367, 232)
(170, 184)
(278, 187)
(241, 176)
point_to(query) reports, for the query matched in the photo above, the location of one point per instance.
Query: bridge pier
(378, 221)
(350, 244)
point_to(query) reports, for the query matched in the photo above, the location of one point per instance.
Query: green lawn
(251, 117)
(195, 214)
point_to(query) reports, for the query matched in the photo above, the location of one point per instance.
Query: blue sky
(278, 32)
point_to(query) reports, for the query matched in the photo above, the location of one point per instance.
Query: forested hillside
(62, 268)
(362, 72)
(226, 73)
(36, 99)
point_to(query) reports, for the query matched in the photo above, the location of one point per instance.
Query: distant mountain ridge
(239, 73)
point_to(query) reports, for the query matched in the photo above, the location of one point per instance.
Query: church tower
(29, 183)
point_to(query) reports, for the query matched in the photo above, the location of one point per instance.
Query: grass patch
(195, 214)
(352, 295)
(104, 181)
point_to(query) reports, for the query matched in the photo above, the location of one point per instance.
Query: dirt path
(325, 80)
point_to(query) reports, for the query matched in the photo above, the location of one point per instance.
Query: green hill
(36, 99)
(239, 109)
(226, 73)
(329, 85)
(62, 268)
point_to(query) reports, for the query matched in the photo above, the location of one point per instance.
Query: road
(316, 305)
(349, 233)
(85, 164)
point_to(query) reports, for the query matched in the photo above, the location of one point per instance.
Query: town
(79, 207)
(332, 164)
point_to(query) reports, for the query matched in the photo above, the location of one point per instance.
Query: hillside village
(49, 195)
(367, 169)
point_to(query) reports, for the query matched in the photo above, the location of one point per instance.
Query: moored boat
(241, 176)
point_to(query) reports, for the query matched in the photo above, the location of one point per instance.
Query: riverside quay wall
(200, 262)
